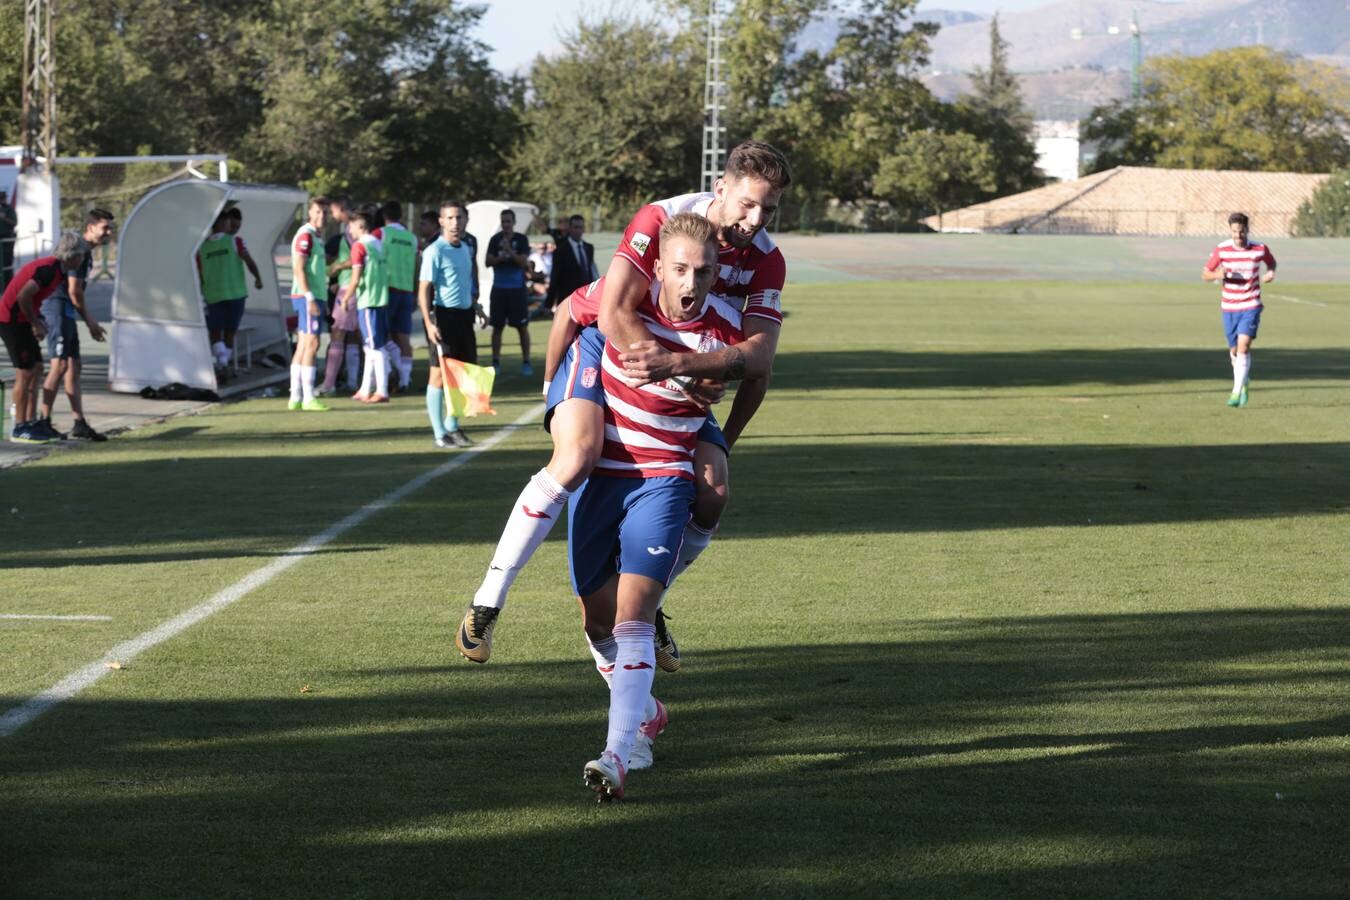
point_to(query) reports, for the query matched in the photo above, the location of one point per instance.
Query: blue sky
(518, 30)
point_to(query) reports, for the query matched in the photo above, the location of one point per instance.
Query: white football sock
(367, 374)
(353, 361)
(1242, 368)
(307, 382)
(295, 381)
(631, 687)
(605, 652)
(405, 371)
(531, 519)
(381, 373)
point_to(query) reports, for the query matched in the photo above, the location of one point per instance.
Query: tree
(994, 113)
(1247, 108)
(1327, 212)
(620, 134)
(938, 170)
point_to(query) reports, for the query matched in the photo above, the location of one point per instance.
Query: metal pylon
(714, 133)
(38, 116)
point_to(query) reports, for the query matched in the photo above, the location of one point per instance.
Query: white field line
(86, 676)
(1296, 300)
(57, 618)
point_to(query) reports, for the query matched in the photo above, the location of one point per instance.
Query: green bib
(400, 252)
(373, 291)
(222, 269)
(344, 254)
(316, 269)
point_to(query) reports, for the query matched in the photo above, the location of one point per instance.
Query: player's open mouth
(687, 303)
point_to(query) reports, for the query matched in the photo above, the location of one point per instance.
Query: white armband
(546, 384)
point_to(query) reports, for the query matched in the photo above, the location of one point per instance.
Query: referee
(447, 294)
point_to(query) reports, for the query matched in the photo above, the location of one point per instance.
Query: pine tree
(994, 112)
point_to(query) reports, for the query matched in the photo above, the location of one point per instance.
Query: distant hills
(1076, 54)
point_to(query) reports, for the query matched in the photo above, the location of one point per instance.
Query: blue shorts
(1244, 322)
(578, 375)
(225, 315)
(63, 332)
(400, 311)
(374, 328)
(631, 526)
(304, 322)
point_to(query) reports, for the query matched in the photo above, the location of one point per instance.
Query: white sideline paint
(57, 618)
(85, 677)
(1296, 300)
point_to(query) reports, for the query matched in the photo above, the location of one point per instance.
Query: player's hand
(39, 329)
(434, 333)
(313, 309)
(257, 282)
(1268, 277)
(479, 314)
(96, 331)
(647, 361)
(706, 391)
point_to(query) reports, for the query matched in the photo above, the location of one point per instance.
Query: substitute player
(400, 251)
(220, 262)
(751, 272)
(21, 327)
(340, 351)
(370, 287)
(1237, 263)
(309, 297)
(626, 523)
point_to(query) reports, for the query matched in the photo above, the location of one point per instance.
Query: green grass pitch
(1007, 603)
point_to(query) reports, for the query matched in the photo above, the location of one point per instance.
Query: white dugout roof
(159, 321)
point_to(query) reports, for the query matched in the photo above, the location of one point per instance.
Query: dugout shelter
(159, 321)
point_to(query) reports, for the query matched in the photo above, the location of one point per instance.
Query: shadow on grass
(219, 507)
(1045, 368)
(1086, 756)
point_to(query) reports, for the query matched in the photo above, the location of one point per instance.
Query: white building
(1057, 148)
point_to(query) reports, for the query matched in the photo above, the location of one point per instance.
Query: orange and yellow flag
(468, 388)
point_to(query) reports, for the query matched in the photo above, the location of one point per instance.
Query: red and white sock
(631, 686)
(531, 519)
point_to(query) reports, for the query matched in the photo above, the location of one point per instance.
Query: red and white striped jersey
(1242, 273)
(751, 278)
(583, 304)
(651, 431)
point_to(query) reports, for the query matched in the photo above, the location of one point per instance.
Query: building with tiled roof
(1135, 200)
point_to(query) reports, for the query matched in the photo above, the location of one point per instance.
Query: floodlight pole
(38, 111)
(714, 153)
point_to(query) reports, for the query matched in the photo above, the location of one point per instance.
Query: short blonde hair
(689, 225)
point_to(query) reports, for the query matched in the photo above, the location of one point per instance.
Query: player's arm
(75, 288)
(560, 334)
(1213, 270)
(1269, 260)
(749, 396)
(626, 289)
(648, 361)
(252, 266)
(29, 310)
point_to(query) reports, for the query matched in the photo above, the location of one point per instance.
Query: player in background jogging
(1237, 263)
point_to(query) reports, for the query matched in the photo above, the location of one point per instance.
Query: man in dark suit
(573, 261)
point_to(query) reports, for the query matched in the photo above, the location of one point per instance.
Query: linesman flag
(468, 388)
